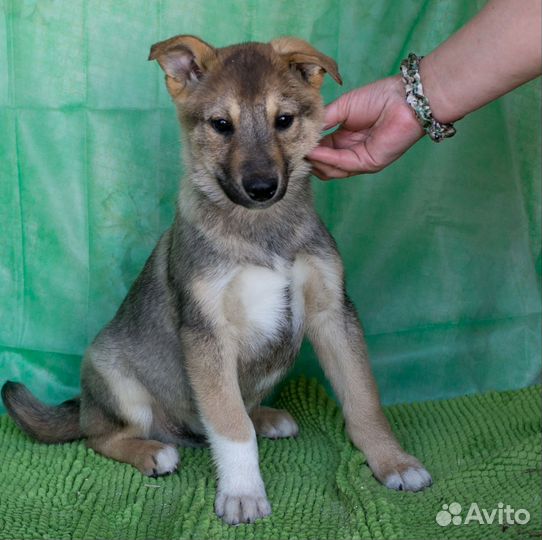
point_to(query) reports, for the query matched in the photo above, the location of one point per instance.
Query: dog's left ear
(312, 64)
(184, 60)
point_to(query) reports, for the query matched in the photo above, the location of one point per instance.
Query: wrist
(405, 115)
(436, 87)
(419, 102)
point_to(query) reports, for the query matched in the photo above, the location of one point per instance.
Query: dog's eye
(221, 125)
(284, 121)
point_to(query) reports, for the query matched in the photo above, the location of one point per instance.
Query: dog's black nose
(260, 189)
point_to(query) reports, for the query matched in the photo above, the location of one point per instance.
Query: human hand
(376, 127)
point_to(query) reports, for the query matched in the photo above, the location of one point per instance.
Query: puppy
(217, 315)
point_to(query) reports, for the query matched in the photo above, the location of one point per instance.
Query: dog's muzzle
(260, 189)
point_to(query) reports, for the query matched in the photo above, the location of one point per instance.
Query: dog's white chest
(263, 296)
(255, 304)
(270, 302)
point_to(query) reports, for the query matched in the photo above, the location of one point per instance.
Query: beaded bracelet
(410, 71)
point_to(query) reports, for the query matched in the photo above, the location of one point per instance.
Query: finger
(316, 171)
(355, 110)
(340, 138)
(328, 140)
(344, 138)
(355, 159)
(334, 113)
(316, 154)
(326, 172)
(325, 141)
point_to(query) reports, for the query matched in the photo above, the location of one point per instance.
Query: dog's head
(252, 113)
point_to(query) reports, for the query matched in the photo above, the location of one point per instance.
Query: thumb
(335, 113)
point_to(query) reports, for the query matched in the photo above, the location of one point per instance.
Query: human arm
(496, 51)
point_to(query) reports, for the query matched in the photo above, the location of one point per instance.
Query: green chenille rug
(483, 452)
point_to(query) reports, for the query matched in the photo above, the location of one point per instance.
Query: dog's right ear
(306, 60)
(184, 60)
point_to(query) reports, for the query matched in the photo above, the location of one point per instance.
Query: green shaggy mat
(480, 449)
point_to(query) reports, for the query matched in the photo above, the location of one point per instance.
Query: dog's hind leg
(273, 423)
(151, 458)
(124, 440)
(117, 417)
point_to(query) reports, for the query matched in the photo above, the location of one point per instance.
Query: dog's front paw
(403, 474)
(408, 478)
(274, 423)
(236, 508)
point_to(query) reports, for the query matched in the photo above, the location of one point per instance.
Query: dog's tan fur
(218, 313)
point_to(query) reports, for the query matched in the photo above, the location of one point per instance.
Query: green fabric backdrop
(442, 249)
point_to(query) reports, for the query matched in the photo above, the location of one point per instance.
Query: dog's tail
(45, 423)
